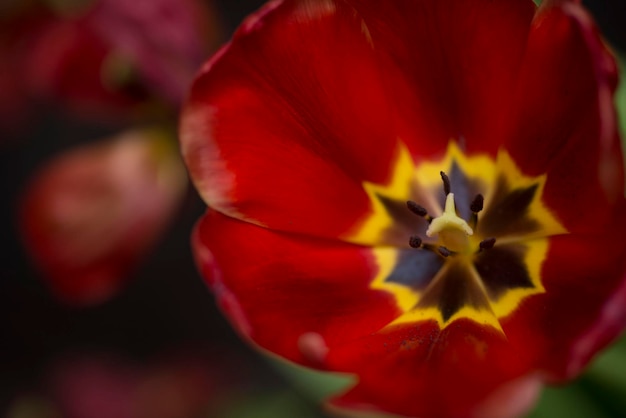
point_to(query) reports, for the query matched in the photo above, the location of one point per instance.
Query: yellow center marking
(409, 180)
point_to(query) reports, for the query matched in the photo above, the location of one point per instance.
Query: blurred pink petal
(167, 40)
(69, 61)
(92, 213)
(106, 388)
(105, 58)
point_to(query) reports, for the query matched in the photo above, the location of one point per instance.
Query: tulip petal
(447, 65)
(562, 120)
(423, 371)
(293, 295)
(582, 308)
(285, 123)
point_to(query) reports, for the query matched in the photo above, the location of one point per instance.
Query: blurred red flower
(308, 134)
(105, 58)
(89, 216)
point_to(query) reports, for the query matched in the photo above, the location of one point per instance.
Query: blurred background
(102, 312)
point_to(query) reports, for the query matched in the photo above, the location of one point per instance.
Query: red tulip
(425, 194)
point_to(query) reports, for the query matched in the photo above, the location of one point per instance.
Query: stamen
(477, 203)
(444, 251)
(415, 241)
(418, 210)
(446, 182)
(476, 206)
(486, 244)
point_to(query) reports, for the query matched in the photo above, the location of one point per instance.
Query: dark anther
(477, 203)
(415, 241)
(444, 251)
(446, 182)
(486, 244)
(416, 209)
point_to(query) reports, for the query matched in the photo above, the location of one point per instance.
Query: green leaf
(571, 401)
(315, 384)
(268, 405)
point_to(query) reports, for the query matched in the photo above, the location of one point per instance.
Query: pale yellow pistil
(452, 230)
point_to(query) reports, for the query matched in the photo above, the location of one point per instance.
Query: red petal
(562, 120)
(90, 215)
(583, 307)
(292, 295)
(448, 66)
(288, 120)
(417, 370)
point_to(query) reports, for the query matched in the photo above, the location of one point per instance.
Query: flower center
(453, 268)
